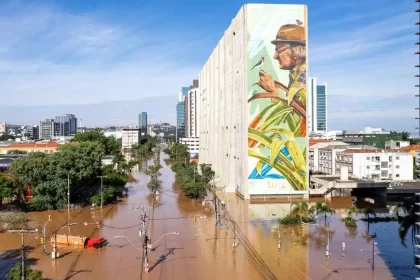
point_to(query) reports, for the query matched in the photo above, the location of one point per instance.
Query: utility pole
(102, 189)
(22, 249)
(68, 199)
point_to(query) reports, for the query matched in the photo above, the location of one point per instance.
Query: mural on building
(277, 73)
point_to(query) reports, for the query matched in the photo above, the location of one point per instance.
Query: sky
(106, 61)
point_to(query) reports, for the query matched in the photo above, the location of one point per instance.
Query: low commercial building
(314, 146)
(374, 139)
(327, 156)
(392, 144)
(130, 136)
(43, 147)
(376, 164)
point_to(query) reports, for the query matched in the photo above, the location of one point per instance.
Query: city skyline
(361, 88)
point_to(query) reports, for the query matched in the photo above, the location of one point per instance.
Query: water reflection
(393, 259)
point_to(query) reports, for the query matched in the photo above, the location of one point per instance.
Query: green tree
(30, 274)
(6, 188)
(302, 209)
(6, 137)
(16, 152)
(352, 211)
(323, 208)
(110, 145)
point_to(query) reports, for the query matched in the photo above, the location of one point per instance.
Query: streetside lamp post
(45, 236)
(373, 254)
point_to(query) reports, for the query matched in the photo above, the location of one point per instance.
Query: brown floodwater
(201, 250)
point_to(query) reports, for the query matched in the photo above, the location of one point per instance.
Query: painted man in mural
(290, 47)
(281, 125)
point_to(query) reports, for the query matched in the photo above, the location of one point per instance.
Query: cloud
(50, 56)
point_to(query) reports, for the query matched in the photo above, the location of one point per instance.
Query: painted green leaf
(278, 107)
(259, 166)
(282, 169)
(274, 118)
(304, 153)
(297, 131)
(291, 122)
(259, 136)
(275, 149)
(281, 131)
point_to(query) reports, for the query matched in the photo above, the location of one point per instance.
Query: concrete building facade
(312, 102)
(130, 136)
(378, 165)
(46, 129)
(229, 117)
(321, 108)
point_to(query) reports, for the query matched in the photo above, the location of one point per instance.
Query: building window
(384, 173)
(367, 158)
(397, 175)
(397, 157)
(368, 167)
(397, 166)
(384, 164)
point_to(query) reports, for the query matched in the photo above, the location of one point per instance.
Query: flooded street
(200, 251)
(203, 251)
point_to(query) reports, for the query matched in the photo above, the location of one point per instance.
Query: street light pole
(373, 255)
(45, 235)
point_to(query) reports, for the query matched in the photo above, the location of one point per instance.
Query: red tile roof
(32, 145)
(316, 141)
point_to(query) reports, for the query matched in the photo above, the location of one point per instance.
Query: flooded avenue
(204, 251)
(200, 251)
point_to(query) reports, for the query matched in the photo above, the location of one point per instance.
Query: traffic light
(42, 240)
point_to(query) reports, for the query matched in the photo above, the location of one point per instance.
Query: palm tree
(408, 219)
(369, 212)
(323, 208)
(302, 209)
(351, 211)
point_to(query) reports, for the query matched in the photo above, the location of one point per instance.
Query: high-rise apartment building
(317, 107)
(143, 122)
(192, 111)
(252, 103)
(321, 107)
(180, 113)
(65, 125)
(46, 129)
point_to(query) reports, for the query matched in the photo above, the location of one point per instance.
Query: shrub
(349, 222)
(293, 219)
(11, 220)
(31, 274)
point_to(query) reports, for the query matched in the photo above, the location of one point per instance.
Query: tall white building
(312, 102)
(130, 136)
(192, 111)
(317, 106)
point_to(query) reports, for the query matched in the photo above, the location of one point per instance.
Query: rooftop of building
(369, 151)
(50, 144)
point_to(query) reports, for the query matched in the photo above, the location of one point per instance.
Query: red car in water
(96, 242)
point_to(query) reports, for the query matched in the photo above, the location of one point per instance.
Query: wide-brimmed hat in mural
(291, 33)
